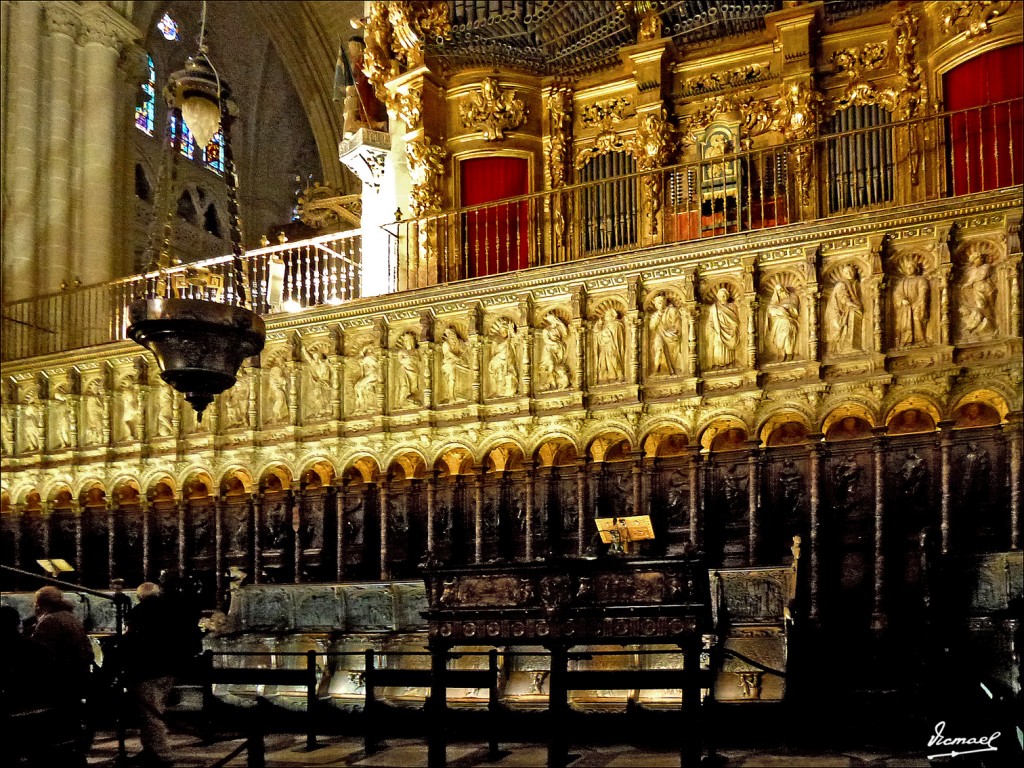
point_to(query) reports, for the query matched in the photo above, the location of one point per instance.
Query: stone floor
(286, 751)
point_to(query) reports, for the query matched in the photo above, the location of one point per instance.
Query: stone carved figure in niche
(238, 528)
(610, 333)
(844, 313)
(977, 475)
(202, 532)
(128, 425)
(791, 483)
(32, 422)
(162, 406)
(456, 372)
(977, 296)
(60, 416)
(666, 327)
(92, 411)
(914, 474)
(910, 304)
(734, 489)
(553, 348)
(407, 384)
(7, 429)
(276, 526)
(723, 334)
(503, 366)
(275, 401)
(847, 482)
(236, 402)
(318, 373)
(369, 377)
(783, 322)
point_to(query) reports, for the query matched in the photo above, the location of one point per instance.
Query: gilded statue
(32, 423)
(553, 348)
(493, 110)
(456, 373)
(275, 400)
(236, 402)
(503, 367)
(844, 313)
(910, 304)
(666, 336)
(162, 406)
(723, 329)
(369, 376)
(783, 322)
(318, 376)
(977, 296)
(92, 412)
(128, 425)
(407, 374)
(610, 333)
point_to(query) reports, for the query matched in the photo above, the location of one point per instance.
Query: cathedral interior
(751, 271)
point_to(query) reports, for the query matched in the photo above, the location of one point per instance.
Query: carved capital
(61, 20)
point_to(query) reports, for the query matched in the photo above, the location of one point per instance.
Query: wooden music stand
(621, 531)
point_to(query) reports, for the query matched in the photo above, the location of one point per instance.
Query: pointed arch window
(146, 111)
(188, 144)
(213, 155)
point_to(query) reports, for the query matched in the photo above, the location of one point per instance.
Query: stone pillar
(639, 508)
(256, 519)
(55, 214)
(693, 472)
(111, 527)
(382, 498)
(946, 503)
(22, 150)
(219, 502)
(77, 511)
(753, 501)
(878, 617)
(145, 513)
(431, 513)
(1013, 436)
(528, 470)
(102, 38)
(296, 509)
(581, 503)
(814, 496)
(182, 512)
(478, 515)
(339, 516)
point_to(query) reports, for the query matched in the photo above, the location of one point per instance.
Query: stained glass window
(213, 155)
(144, 112)
(188, 144)
(168, 28)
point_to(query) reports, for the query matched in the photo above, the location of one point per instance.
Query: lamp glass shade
(202, 117)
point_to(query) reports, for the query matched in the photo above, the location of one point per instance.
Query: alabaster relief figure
(60, 427)
(128, 424)
(783, 315)
(7, 429)
(162, 405)
(366, 384)
(977, 296)
(456, 373)
(666, 336)
(910, 304)
(503, 368)
(407, 371)
(92, 413)
(723, 333)
(275, 398)
(236, 402)
(31, 420)
(610, 334)
(318, 376)
(554, 372)
(844, 313)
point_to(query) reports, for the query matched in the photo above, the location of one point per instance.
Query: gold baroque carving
(426, 167)
(652, 148)
(407, 106)
(854, 62)
(414, 23)
(560, 131)
(971, 17)
(603, 115)
(493, 110)
(717, 81)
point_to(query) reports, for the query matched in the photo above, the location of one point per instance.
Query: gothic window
(213, 155)
(168, 28)
(143, 190)
(187, 209)
(211, 221)
(188, 144)
(145, 112)
(860, 162)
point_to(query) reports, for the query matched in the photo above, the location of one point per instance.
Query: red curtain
(986, 142)
(495, 237)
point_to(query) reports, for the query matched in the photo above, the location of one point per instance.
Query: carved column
(942, 275)
(77, 511)
(639, 508)
(255, 520)
(878, 617)
(431, 513)
(111, 529)
(945, 471)
(219, 503)
(339, 516)
(814, 494)
(528, 469)
(182, 507)
(752, 305)
(753, 501)
(547, 548)
(385, 555)
(144, 511)
(1013, 437)
(297, 509)
(478, 514)
(693, 472)
(581, 500)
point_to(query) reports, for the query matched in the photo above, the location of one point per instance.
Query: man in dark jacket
(152, 655)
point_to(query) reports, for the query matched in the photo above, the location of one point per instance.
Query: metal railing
(865, 163)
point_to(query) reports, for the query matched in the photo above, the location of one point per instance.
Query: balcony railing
(847, 171)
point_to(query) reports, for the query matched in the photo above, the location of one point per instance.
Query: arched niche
(557, 452)
(127, 493)
(161, 491)
(407, 466)
(276, 479)
(728, 434)
(198, 486)
(61, 498)
(610, 447)
(454, 461)
(235, 484)
(665, 442)
(33, 501)
(980, 408)
(320, 474)
(850, 421)
(790, 431)
(507, 457)
(911, 420)
(93, 495)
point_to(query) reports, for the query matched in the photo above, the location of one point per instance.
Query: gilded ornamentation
(318, 395)
(31, 422)
(456, 371)
(552, 367)
(426, 167)
(652, 148)
(560, 131)
(610, 346)
(407, 372)
(977, 295)
(665, 326)
(413, 24)
(603, 115)
(796, 116)
(911, 95)
(910, 304)
(503, 365)
(723, 327)
(322, 207)
(378, 64)
(367, 381)
(844, 312)
(92, 413)
(782, 320)
(493, 110)
(161, 396)
(971, 17)
(406, 105)
(854, 62)
(717, 81)
(7, 429)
